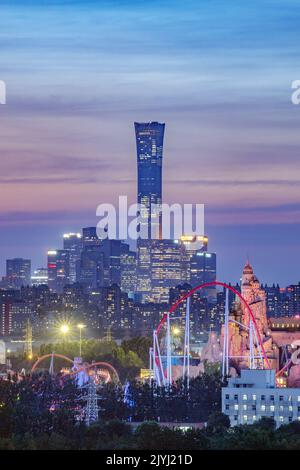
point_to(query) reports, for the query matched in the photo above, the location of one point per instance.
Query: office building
(58, 270)
(73, 244)
(293, 292)
(91, 267)
(6, 318)
(89, 236)
(203, 270)
(149, 143)
(18, 272)
(128, 270)
(39, 277)
(192, 244)
(166, 268)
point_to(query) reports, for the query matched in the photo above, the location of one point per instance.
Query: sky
(218, 73)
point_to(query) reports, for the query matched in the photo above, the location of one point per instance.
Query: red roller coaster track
(232, 289)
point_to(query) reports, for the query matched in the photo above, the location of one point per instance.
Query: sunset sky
(218, 73)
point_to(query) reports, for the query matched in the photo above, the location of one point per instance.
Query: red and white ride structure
(161, 354)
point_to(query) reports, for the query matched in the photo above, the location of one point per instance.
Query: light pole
(80, 326)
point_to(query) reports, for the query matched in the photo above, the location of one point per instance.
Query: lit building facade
(128, 270)
(149, 143)
(203, 269)
(6, 318)
(39, 277)
(254, 395)
(73, 244)
(166, 268)
(18, 272)
(192, 244)
(91, 267)
(58, 270)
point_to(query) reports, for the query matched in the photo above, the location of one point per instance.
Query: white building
(253, 395)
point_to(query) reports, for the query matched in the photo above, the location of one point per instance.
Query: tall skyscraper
(128, 270)
(58, 270)
(73, 244)
(18, 272)
(149, 142)
(91, 267)
(203, 269)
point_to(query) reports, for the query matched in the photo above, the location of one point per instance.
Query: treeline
(42, 412)
(117, 435)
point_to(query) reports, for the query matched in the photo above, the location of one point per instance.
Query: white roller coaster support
(225, 357)
(251, 346)
(169, 352)
(186, 353)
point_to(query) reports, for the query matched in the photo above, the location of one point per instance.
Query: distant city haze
(218, 74)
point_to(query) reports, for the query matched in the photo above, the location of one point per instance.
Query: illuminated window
(245, 417)
(254, 418)
(244, 407)
(281, 419)
(253, 397)
(290, 408)
(236, 407)
(245, 397)
(272, 408)
(263, 407)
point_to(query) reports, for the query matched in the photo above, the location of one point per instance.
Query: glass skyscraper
(149, 143)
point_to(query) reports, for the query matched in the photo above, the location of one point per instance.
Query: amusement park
(171, 365)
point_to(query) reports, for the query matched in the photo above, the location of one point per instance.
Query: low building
(254, 395)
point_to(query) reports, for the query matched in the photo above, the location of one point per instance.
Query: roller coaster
(161, 356)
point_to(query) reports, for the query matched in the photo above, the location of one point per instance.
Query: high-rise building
(149, 142)
(204, 269)
(39, 277)
(73, 244)
(89, 236)
(293, 292)
(6, 318)
(128, 270)
(111, 250)
(58, 270)
(273, 300)
(192, 245)
(166, 268)
(18, 272)
(91, 267)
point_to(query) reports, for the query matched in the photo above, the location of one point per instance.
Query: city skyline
(229, 115)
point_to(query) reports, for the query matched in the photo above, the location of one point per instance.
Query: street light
(176, 331)
(64, 329)
(80, 326)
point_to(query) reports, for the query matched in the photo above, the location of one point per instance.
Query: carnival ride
(100, 371)
(161, 355)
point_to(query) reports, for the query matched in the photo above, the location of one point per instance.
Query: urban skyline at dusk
(231, 139)
(149, 229)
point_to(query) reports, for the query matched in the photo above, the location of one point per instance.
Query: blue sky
(219, 73)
